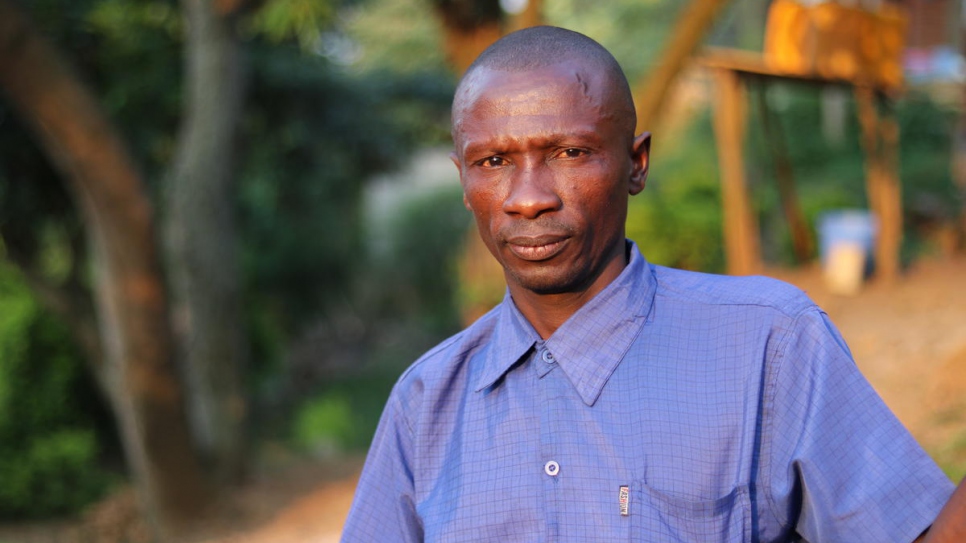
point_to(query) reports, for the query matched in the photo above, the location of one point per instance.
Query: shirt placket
(550, 452)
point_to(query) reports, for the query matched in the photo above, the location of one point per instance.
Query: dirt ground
(909, 338)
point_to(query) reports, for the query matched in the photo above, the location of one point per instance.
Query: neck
(547, 312)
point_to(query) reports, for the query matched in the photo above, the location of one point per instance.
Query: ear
(459, 168)
(456, 161)
(640, 160)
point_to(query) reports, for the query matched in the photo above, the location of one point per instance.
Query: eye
(492, 162)
(571, 152)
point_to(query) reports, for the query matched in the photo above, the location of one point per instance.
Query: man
(607, 399)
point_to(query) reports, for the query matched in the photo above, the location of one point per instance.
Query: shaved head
(543, 134)
(544, 46)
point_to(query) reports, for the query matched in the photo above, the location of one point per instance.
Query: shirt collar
(589, 346)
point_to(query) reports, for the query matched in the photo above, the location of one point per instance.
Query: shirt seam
(435, 351)
(409, 425)
(767, 413)
(792, 296)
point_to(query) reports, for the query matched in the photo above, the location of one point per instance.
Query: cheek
(478, 205)
(596, 193)
(480, 197)
(602, 204)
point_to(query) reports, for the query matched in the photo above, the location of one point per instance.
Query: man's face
(546, 167)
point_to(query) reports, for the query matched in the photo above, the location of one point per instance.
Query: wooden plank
(750, 63)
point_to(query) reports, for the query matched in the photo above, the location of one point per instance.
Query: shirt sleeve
(383, 507)
(840, 466)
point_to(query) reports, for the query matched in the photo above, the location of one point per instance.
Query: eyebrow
(499, 144)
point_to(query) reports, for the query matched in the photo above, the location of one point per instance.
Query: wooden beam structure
(880, 139)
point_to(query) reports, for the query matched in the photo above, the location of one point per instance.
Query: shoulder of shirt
(442, 360)
(752, 291)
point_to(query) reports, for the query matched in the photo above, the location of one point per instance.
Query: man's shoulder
(723, 290)
(449, 356)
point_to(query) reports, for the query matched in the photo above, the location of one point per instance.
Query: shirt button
(551, 468)
(547, 357)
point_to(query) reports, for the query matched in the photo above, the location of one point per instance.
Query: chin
(545, 283)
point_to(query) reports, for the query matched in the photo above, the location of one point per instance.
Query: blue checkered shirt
(674, 406)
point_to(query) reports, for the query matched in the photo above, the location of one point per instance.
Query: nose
(532, 193)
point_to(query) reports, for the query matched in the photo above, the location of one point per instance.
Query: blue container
(852, 226)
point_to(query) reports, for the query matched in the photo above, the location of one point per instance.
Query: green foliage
(37, 221)
(122, 23)
(395, 36)
(53, 473)
(827, 174)
(420, 275)
(632, 30)
(676, 221)
(303, 20)
(313, 135)
(133, 61)
(929, 192)
(952, 457)
(343, 415)
(48, 436)
(325, 423)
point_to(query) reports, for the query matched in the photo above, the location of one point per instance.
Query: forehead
(548, 98)
(544, 84)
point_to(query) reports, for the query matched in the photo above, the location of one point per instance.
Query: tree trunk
(129, 293)
(200, 239)
(958, 159)
(469, 27)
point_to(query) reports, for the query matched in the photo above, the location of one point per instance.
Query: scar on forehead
(597, 100)
(584, 85)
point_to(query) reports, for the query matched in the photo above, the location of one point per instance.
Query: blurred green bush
(676, 221)
(49, 438)
(324, 425)
(414, 285)
(342, 415)
(420, 275)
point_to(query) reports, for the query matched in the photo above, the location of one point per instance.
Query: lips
(536, 248)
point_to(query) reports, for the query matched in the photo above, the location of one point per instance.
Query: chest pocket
(659, 518)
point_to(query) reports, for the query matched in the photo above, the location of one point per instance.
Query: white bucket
(846, 242)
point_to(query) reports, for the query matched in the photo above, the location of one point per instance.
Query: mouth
(536, 248)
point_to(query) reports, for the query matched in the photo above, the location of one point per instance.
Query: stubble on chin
(545, 281)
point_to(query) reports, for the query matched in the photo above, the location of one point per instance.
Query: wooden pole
(880, 141)
(742, 247)
(890, 236)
